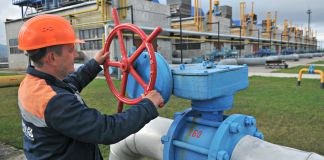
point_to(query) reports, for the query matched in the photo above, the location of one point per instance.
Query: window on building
(13, 46)
(92, 38)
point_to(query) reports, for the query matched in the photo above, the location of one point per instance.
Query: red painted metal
(126, 63)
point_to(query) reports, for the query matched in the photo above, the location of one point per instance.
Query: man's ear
(50, 58)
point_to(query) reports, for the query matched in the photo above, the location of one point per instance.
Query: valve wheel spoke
(137, 52)
(121, 43)
(113, 64)
(138, 78)
(123, 84)
(122, 91)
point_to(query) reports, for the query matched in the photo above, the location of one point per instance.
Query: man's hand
(101, 56)
(155, 97)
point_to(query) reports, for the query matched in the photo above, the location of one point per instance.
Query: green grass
(286, 114)
(318, 62)
(9, 74)
(10, 121)
(296, 69)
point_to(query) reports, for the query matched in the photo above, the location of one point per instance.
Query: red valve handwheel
(126, 63)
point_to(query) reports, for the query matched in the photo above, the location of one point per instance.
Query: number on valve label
(196, 133)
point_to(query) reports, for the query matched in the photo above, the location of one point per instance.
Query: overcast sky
(294, 10)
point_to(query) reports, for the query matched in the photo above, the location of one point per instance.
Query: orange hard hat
(45, 30)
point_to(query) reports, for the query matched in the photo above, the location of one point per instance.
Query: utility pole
(309, 12)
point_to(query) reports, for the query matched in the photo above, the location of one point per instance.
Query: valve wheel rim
(126, 62)
(126, 65)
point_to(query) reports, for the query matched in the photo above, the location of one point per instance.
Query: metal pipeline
(104, 17)
(317, 55)
(241, 61)
(251, 148)
(251, 61)
(227, 62)
(272, 58)
(258, 61)
(144, 143)
(85, 11)
(7, 81)
(293, 57)
(96, 23)
(306, 55)
(147, 143)
(172, 37)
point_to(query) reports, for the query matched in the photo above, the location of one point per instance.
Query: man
(57, 124)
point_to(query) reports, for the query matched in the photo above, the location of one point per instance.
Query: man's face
(66, 60)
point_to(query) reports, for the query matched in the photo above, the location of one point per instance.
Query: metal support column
(180, 16)
(240, 41)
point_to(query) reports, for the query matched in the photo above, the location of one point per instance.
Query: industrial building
(188, 32)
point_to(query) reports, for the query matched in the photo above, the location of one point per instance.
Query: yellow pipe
(86, 11)
(210, 17)
(103, 10)
(275, 24)
(109, 11)
(196, 22)
(268, 26)
(103, 40)
(185, 24)
(300, 74)
(89, 24)
(196, 18)
(123, 13)
(243, 17)
(201, 26)
(195, 11)
(251, 19)
(321, 73)
(104, 18)
(6, 81)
